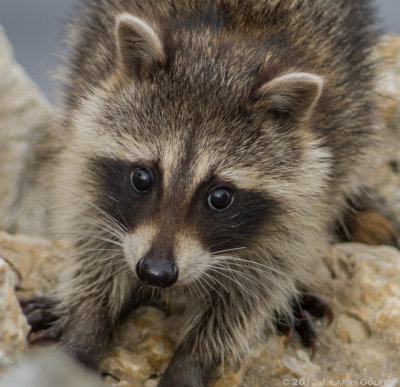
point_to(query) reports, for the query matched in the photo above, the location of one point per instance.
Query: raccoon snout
(157, 272)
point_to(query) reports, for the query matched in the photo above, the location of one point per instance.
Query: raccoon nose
(157, 272)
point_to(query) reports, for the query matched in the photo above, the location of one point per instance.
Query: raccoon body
(209, 147)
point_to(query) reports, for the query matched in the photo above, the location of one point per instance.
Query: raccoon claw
(39, 312)
(300, 320)
(285, 326)
(305, 328)
(316, 306)
(51, 334)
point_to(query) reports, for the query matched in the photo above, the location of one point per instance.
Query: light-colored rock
(229, 378)
(35, 262)
(386, 175)
(142, 346)
(25, 132)
(42, 369)
(13, 325)
(375, 300)
(350, 330)
(30, 265)
(127, 366)
(362, 289)
(301, 365)
(389, 52)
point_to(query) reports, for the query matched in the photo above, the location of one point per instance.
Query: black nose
(157, 272)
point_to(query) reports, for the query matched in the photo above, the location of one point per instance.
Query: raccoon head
(198, 155)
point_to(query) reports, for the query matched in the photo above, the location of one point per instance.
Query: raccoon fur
(208, 150)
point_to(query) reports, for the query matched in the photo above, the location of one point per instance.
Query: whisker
(244, 275)
(104, 227)
(123, 217)
(235, 281)
(200, 292)
(252, 263)
(216, 280)
(93, 205)
(112, 198)
(228, 250)
(206, 291)
(212, 287)
(106, 240)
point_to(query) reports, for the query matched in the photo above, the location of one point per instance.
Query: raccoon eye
(142, 180)
(220, 199)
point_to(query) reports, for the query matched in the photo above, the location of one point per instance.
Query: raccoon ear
(294, 94)
(139, 48)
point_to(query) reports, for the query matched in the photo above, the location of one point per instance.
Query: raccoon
(209, 150)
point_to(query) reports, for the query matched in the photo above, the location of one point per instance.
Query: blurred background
(35, 28)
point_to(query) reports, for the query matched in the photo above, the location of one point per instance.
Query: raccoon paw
(41, 316)
(300, 320)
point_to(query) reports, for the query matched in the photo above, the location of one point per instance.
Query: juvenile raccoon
(209, 149)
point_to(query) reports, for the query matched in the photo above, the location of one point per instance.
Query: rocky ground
(361, 283)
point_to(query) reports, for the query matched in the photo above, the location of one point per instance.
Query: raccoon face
(178, 222)
(197, 168)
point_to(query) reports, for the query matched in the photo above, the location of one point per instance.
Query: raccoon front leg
(186, 369)
(86, 335)
(223, 331)
(83, 332)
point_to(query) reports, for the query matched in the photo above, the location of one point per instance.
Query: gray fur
(209, 103)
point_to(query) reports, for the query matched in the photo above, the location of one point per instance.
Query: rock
(42, 369)
(229, 378)
(35, 262)
(386, 175)
(13, 326)
(30, 265)
(126, 366)
(24, 148)
(350, 330)
(301, 365)
(389, 52)
(142, 346)
(375, 300)
(362, 340)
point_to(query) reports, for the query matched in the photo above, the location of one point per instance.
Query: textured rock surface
(387, 180)
(361, 283)
(30, 265)
(24, 148)
(35, 261)
(13, 325)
